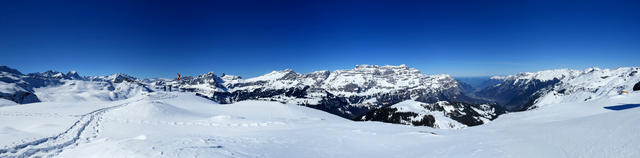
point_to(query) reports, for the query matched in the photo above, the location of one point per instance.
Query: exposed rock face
(636, 87)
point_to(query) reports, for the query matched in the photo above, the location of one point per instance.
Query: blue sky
(250, 38)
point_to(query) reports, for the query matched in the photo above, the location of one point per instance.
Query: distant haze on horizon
(149, 39)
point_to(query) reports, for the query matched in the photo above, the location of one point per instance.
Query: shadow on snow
(622, 107)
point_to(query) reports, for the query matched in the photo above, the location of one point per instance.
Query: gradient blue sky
(249, 38)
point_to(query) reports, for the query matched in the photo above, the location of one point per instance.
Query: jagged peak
(209, 74)
(73, 75)
(230, 77)
(49, 74)
(320, 72)
(119, 77)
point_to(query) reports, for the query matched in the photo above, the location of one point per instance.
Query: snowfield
(178, 124)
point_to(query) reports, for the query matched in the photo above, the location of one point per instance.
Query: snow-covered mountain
(592, 83)
(367, 92)
(584, 113)
(35, 87)
(441, 114)
(347, 93)
(516, 92)
(520, 92)
(13, 88)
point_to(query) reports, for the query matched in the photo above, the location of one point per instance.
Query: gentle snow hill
(177, 124)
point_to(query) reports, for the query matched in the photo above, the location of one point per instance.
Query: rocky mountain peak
(119, 78)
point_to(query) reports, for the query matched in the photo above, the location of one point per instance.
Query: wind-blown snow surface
(174, 124)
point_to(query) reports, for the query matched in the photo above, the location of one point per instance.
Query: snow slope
(592, 84)
(175, 124)
(441, 114)
(5, 102)
(417, 107)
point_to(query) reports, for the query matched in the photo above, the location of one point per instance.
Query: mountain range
(392, 94)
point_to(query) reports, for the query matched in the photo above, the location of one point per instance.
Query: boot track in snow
(85, 128)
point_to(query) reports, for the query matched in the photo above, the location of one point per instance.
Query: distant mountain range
(394, 94)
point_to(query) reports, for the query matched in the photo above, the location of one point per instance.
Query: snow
(274, 75)
(543, 76)
(441, 121)
(409, 106)
(175, 124)
(5, 102)
(498, 77)
(80, 90)
(98, 118)
(592, 84)
(10, 88)
(372, 79)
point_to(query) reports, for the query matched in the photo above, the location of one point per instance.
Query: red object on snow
(178, 76)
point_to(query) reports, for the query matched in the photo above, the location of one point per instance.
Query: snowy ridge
(50, 85)
(543, 76)
(522, 91)
(591, 84)
(517, 92)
